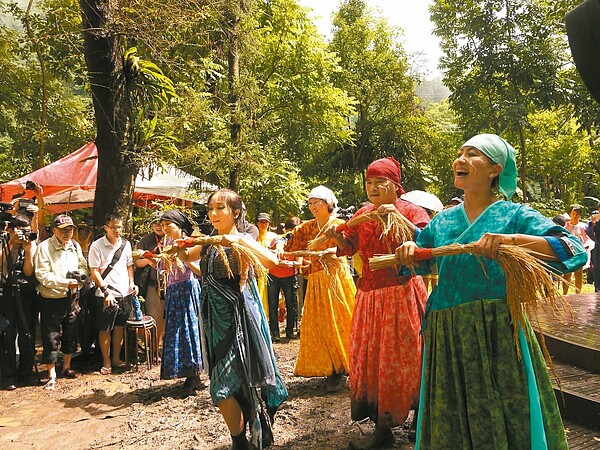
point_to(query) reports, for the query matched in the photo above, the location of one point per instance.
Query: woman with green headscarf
(476, 391)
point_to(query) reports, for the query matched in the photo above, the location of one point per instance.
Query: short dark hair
(112, 217)
(19, 221)
(292, 222)
(575, 207)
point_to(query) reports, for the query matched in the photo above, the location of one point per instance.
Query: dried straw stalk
(529, 283)
(247, 257)
(393, 225)
(170, 260)
(334, 267)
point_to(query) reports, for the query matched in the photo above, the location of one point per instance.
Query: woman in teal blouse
(476, 392)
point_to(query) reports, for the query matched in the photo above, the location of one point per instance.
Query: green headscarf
(500, 152)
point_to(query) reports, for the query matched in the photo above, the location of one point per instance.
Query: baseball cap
(63, 221)
(263, 216)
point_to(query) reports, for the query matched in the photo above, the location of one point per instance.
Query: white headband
(325, 194)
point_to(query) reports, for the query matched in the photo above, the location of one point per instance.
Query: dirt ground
(136, 409)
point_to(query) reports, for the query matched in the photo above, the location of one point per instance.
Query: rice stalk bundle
(191, 242)
(393, 225)
(170, 259)
(248, 260)
(529, 283)
(334, 267)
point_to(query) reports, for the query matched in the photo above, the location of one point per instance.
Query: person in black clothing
(17, 304)
(147, 278)
(593, 231)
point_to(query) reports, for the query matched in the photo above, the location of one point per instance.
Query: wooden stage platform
(574, 343)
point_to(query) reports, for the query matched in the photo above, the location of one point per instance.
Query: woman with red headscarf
(385, 346)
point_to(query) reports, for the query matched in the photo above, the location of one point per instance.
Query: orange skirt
(326, 326)
(385, 353)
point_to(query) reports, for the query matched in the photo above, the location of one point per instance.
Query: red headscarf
(387, 168)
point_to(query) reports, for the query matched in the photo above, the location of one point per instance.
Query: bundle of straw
(393, 225)
(192, 241)
(529, 283)
(246, 256)
(334, 267)
(169, 259)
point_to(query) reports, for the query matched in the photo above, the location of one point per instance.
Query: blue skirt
(182, 356)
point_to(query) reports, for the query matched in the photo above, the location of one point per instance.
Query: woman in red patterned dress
(385, 346)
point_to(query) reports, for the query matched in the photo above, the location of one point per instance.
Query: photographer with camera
(17, 303)
(29, 203)
(60, 268)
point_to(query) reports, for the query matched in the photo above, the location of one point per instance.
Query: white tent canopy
(165, 182)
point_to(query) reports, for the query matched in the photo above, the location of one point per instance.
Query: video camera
(16, 278)
(23, 203)
(5, 216)
(76, 275)
(346, 213)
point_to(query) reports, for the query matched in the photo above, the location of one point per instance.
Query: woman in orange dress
(385, 346)
(329, 300)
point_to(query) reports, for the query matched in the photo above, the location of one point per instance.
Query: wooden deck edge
(574, 405)
(572, 353)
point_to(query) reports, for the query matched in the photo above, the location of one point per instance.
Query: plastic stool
(148, 324)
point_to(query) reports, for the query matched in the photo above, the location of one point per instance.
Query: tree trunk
(104, 59)
(523, 168)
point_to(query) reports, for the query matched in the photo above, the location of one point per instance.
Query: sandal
(51, 384)
(69, 373)
(105, 370)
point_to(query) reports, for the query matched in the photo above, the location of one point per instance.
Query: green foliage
(559, 153)
(290, 112)
(500, 60)
(150, 92)
(69, 122)
(437, 163)
(505, 65)
(387, 121)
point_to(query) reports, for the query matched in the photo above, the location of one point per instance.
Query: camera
(5, 216)
(346, 213)
(30, 185)
(77, 275)
(26, 236)
(23, 204)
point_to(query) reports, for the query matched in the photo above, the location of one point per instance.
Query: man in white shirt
(115, 288)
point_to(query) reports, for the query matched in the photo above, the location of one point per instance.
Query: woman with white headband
(329, 302)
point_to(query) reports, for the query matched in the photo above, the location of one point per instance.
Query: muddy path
(136, 409)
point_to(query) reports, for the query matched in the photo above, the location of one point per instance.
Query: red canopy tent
(76, 171)
(70, 183)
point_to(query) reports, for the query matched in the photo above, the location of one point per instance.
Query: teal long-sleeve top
(464, 278)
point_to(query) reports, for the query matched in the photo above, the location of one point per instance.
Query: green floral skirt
(474, 389)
